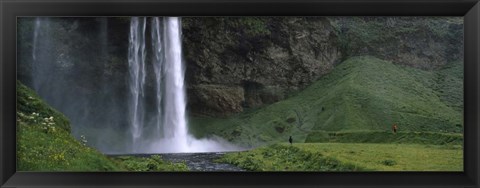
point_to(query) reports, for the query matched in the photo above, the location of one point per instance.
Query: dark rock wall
(237, 63)
(421, 42)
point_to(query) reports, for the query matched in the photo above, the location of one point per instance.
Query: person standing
(290, 140)
(394, 128)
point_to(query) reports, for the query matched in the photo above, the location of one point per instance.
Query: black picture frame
(10, 9)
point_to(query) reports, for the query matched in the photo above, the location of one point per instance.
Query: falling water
(57, 70)
(171, 102)
(35, 36)
(136, 63)
(156, 112)
(34, 53)
(158, 62)
(171, 124)
(175, 123)
(41, 58)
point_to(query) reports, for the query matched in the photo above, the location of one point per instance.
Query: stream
(197, 161)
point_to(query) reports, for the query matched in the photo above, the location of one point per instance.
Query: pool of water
(197, 161)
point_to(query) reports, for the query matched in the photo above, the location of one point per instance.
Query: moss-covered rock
(420, 42)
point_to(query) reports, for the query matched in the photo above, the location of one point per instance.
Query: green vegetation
(44, 143)
(283, 158)
(341, 122)
(362, 94)
(449, 85)
(349, 157)
(31, 109)
(153, 163)
(357, 33)
(387, 137)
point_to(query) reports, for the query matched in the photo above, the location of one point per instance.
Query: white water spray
(175, 123)
(35, 36)
(170, 124)
(136, 64)
(158, 63)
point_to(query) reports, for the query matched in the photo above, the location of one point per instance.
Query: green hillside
(44, 143)
(361, 94)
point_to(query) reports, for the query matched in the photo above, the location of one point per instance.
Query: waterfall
(171, 124)
(41, 58)
(34, 71)
(69, 77)
(171, 121)
(175, 123)
(149, 116)
(158, 61)
(136, 64)
(45, 61)
(35, 38)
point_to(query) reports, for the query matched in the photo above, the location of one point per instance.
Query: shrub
(389, 162)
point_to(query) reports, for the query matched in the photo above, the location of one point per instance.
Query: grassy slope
(361, 94)
(44, 143)
(387, 137)
(349, 157)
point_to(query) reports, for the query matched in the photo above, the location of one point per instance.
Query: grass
(44, 143)
(356, 103)
(450, 85)
(146, 164)
(408, 157)
(430, 138)
(350, 157)
(284, 158)
(360, 94)
(49, 149)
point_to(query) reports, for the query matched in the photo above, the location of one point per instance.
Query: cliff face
(234, 63)
(421, 42)
(237, 63)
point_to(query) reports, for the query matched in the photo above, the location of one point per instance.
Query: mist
(120, 81)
